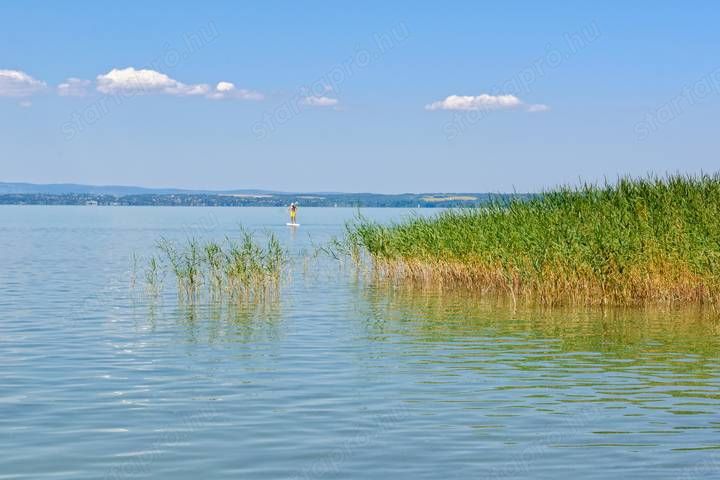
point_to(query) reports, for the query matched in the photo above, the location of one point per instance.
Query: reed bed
(634, 242)
(239, 270)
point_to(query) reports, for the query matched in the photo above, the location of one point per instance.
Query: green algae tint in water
(334, 378)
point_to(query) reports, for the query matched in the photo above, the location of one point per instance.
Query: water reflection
(218, 321)
(650, 378)
(625, 333)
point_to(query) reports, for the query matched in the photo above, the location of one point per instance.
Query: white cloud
(225, 87)
(14, 83)
(73, 87)
(538, 107)
(228, 90)
(26, 104)
(315, 101)
(479, 102)
(130, 80)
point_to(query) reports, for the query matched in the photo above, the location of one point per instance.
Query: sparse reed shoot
(235, 269)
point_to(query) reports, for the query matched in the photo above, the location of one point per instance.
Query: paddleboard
(292, 224)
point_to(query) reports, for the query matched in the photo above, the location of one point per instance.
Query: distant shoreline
(354, 200)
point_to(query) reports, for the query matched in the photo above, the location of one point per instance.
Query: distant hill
(118, 190)
(74, 194)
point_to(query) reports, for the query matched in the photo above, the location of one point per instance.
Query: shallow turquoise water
(338, 379)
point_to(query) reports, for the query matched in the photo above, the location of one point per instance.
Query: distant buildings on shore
(354, 200)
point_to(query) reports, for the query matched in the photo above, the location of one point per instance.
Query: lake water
(338, 378)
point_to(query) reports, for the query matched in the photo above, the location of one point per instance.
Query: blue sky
(363, 96)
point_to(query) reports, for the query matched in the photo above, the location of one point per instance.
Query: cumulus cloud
(143, 81)
(484, 102)
(479, 102)
(225, 87)
(228, 90)
(73, 87)
(132, 81)
(222, 90)
(315, 101)
(14, 83)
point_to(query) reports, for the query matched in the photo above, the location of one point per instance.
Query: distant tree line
(276, 200)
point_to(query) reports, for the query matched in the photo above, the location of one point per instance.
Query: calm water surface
(336, 379)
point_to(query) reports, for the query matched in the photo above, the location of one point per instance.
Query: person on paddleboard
(293, 212)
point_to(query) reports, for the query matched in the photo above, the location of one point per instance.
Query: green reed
(652, 240)
(153, 277)
(237, 269)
